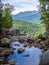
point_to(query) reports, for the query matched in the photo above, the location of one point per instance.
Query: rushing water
(33, 58)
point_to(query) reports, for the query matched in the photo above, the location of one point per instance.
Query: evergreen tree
(7, 18)
(5, 15)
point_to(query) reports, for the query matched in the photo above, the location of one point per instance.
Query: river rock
(27, 55)
(6, 52)
(12, 62)
(30, 44)
(42, 43)
(21, 40)
(17, 44)
(14, 32)
(5, 41)
(14, 48)
(45, 58)
(1, 49)
(25, 45)
(38, 40)
(13, 38)
(20, 50)
(30, 40)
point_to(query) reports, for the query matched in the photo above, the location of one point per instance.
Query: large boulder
(45, 58)
(14, 32)
(5, 42)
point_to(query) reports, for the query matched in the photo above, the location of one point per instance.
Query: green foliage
(5, 17)
(44, 7)
(29, 29)
(40, 36)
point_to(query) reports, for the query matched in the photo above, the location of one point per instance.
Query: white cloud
(23, 5)
(27, 8)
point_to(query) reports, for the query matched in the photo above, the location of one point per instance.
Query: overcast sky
(23, 5)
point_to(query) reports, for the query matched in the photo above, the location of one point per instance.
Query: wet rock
(20, 50)
(27, 55)
(25, 45)
(35, 44)
(17, 44)
(12, 62)
(30, 45)
(45, 58)
(21, 40)
(14, 48)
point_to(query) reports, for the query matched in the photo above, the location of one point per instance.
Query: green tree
(7, 16)
(44, 8)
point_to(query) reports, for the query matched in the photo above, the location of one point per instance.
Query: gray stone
(14, 32)
(45, 58)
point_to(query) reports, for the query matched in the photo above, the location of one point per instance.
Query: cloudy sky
(23, 5)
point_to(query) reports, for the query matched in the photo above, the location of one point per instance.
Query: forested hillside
(29, 29)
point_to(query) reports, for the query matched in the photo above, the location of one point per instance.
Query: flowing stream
(33, 58)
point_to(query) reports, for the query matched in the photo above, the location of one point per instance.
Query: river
(33, 58)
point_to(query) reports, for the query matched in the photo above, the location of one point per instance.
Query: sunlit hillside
(29, 29)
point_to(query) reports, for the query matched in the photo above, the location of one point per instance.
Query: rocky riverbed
(8, 37)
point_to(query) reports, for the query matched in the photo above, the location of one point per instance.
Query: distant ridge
(29, 16)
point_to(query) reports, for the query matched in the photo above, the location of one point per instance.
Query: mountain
(29, 16)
